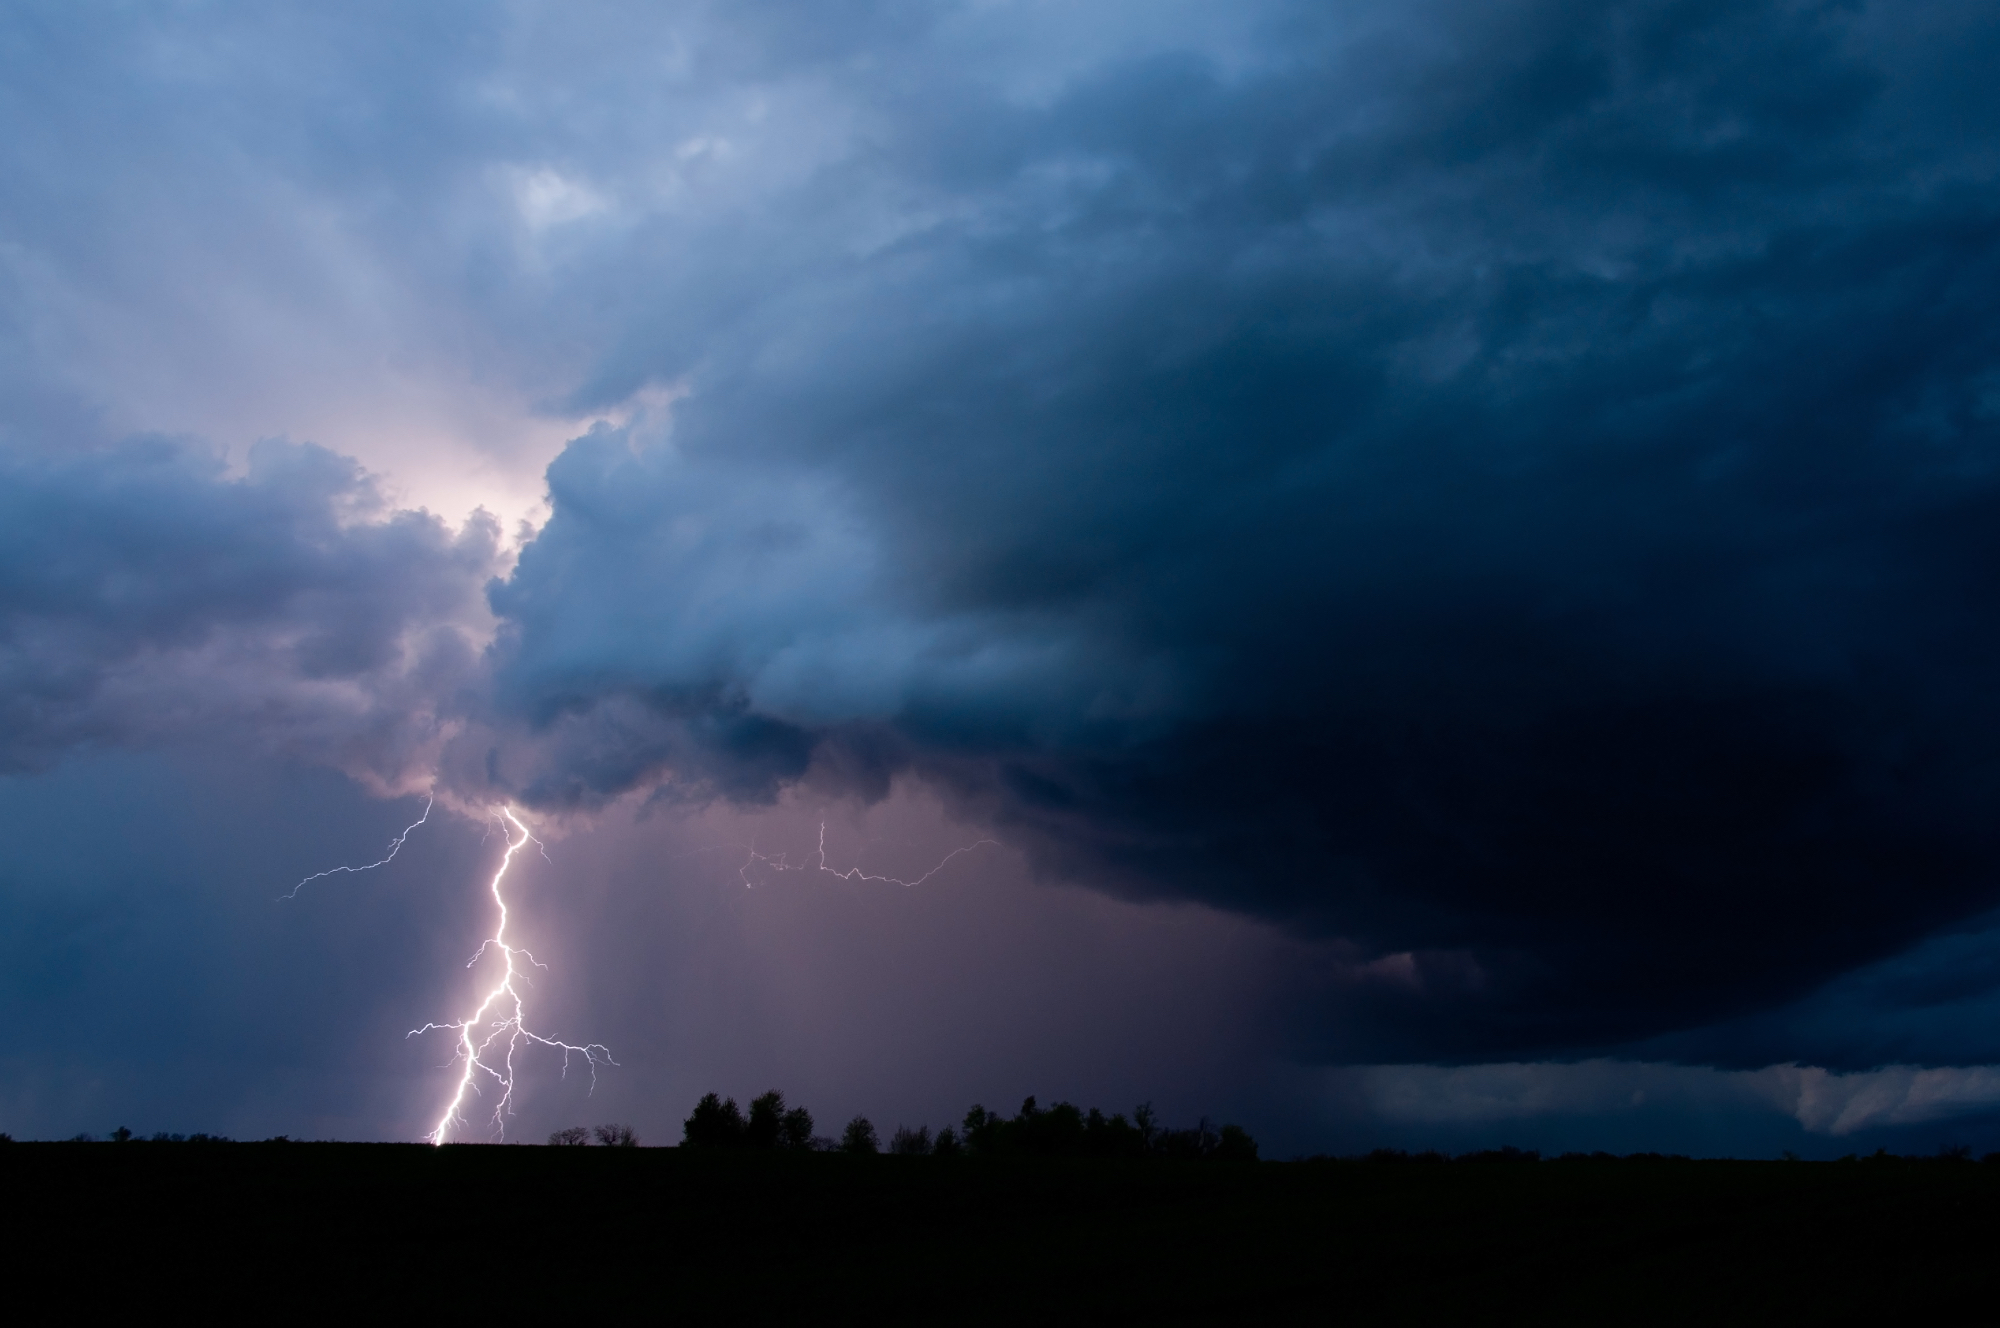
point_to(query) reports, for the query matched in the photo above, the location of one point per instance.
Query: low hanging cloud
(1823, 1102)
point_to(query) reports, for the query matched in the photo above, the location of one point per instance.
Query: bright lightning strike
(778, 863)
(394, 846)
(503, 1007)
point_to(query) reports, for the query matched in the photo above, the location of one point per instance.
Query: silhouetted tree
(1189, 1145)
(1147, 1124)
(1111, 1136)
(1507, 1154)
(1061, 1130)
(121, 1135)
(767, 1120)
(1057, 1132)
(716, 1123)
(616, 1136)
(982, 1131)
(1064, 1131)
(576, 1136)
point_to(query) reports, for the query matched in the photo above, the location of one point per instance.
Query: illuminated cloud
(145, 597)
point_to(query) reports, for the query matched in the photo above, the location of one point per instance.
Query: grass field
(706, 1237)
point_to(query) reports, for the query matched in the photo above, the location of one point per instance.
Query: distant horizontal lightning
(778, 863)
(394, 846)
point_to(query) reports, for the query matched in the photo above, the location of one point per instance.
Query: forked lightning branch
(493, 1034)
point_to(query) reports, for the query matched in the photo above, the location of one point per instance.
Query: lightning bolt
(503, 1006)
(778, 863)
(394, 846)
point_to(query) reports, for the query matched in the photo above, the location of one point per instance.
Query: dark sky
(1454, 548)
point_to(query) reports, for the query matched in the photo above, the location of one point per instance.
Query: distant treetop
(717, 1122)
(1062, 1130)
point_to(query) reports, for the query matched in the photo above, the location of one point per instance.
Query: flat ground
(386, 1229)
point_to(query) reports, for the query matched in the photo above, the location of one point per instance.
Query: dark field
(382, 1229)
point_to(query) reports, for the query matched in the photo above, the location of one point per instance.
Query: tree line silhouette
(1061, 1130)
(611, 1136)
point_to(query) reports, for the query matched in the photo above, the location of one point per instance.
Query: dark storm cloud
(1933, 1004)
(1511, 487)
(145, 595)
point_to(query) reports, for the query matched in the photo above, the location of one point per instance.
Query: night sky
(1453, 549)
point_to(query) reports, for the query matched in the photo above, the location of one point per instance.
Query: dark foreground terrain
(299, 1229)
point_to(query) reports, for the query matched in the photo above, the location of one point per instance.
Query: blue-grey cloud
(1507, 485)
(147, 596)
(1873, 1104)
(1502, 490)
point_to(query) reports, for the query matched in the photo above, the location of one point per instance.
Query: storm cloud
(1506, 494)
(146, 596)
(1508, 487)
